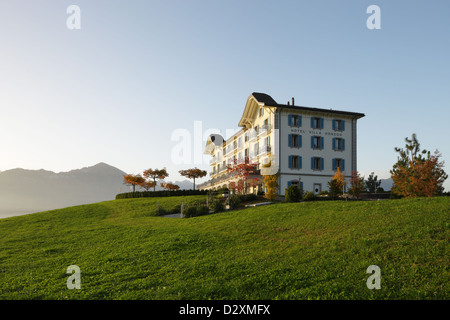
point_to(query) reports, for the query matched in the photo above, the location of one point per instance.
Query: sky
(136, 75)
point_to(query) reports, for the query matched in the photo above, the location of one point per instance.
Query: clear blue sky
(117, 89)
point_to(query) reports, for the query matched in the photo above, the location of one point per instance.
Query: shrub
(202, 210)
(251, 197)
(217, 206)
(293, 194)
(190, 211)
(309, 196)
(175, 209)
(160, 211)
(162, 193)
(235, 201)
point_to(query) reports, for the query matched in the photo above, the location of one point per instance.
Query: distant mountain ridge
(25, 191)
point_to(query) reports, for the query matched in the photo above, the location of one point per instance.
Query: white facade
(292, 141)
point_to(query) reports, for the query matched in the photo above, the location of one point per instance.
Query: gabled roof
(266, 100)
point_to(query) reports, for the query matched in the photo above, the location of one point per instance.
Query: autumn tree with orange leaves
(193, 174)
(153, 175)
(357, 185)
(242, 171)
(170, 186)
(337, 184)
(147, 184)
(417, 173)
(133, 180)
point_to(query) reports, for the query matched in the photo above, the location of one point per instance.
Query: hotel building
(301, 144)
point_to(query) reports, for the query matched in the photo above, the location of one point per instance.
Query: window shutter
(290, 140)
(299, 162)
(321, 142)
(343, 164)
(343, 125)
(343, 144)
(312, 163)
(334, 164)
(299, 121)
(334, 143)
(321, 123)
(289, 183)
(299, 140)
(290, 120)
(334, 124)
(290, 162)
(321, 163)
(301, 185)
(312, 142)
(312, 122)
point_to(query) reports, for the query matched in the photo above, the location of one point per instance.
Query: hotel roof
(268, 101)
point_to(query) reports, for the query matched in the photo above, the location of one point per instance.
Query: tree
(271, 182)
(356, 184)
(133, 180)
(372, 183)
(337, 183)
(193, 174)
(147, 184)
(417, 173)
(242, 171)
(170, 186)
(155, 174)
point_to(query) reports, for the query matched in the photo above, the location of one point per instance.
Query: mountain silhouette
(25, 191)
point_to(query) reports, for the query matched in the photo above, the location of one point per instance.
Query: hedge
(162, 193)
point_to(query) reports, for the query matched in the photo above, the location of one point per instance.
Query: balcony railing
(264, 129)
(264, 149)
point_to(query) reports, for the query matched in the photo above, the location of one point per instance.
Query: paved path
(174, 215)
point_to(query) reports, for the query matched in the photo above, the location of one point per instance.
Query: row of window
(295, 120)
(317, 163)
(317, 142)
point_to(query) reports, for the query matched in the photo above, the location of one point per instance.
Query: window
(266, 125)
(338, 144)
(295, 120)
(317, 163)
(316, 123)
(338, 125)
(338, 163)
(267, 144)
(295, 141)
(261, 112)
(246, 155)
(295, 162)
(316, 142)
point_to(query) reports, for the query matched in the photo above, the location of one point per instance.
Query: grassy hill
(311, 250)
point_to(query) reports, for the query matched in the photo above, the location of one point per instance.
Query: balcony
(212, 161)
(252, 135)
(264, 150)
(264, 129)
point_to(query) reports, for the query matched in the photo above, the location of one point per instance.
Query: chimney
(288, 103)
(292, 100)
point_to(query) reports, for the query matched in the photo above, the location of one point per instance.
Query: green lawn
(310, 250)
